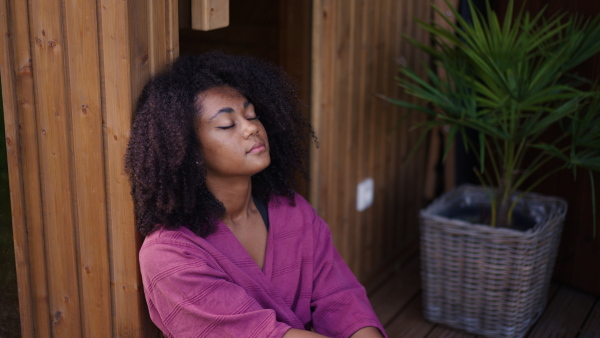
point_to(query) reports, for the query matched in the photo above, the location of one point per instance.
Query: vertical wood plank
(345, 118)
(361, 133)
(319, 14)
(117, 105)
(295, 57)
(131, 51)
(12, 79)
(81, 31)
(389, 173)
(172, 31)
(394, 171)
(30, 167)
(323, 27)
(159, 42)
(53, 121)
(375, 62)
(336, 170)
(156, 24)
(143, 58)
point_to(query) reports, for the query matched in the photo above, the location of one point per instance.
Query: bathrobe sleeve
(189, 297)
(340, 303)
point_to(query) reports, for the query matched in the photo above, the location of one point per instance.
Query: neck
(236, 196)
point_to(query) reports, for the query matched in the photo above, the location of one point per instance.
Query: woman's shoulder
(174, 236)
(166, 244)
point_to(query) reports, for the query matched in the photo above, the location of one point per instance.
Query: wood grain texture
(448, 332)
(30, 166)
(72, 71)
(171, 30)
(55, 144)
(209, 14)
(126, 67)
(410, 322)
(564, 315)
(117, 106)
(356, 45)
(15, 67)
(295, 57)
(89, 199)
(392, 297)
(157, 40)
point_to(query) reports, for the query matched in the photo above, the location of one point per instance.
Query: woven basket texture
(484, 280)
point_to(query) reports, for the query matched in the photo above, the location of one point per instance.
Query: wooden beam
(210, 14)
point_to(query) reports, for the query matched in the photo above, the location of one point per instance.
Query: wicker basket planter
(484, 280)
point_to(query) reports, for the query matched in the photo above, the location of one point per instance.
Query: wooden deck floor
(397, 301)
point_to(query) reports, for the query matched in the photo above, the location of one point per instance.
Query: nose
(249, 128)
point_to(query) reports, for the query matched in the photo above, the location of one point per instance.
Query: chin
(263, 167)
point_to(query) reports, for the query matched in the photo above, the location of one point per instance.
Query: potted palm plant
(488, 251)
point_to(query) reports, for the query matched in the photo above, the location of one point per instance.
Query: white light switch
(364, 194)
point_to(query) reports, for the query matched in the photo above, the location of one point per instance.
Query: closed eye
(252, 118)
(227, 127)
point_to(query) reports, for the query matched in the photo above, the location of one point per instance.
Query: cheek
(209, 149)
(219, 151)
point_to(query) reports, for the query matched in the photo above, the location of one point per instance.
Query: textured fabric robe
(211, 287)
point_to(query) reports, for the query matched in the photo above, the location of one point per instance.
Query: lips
(256, 148)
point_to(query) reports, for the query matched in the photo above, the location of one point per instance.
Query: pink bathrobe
(211, 287)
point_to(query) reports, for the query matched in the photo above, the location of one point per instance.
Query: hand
(295, 333)
(367, 332)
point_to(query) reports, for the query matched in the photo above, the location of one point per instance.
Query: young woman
(230, 249)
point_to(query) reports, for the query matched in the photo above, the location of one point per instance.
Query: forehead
(215, 101)
(219, 95)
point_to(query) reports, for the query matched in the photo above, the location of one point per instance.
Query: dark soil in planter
(477, 214)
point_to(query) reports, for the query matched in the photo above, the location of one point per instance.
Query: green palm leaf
(509, 81)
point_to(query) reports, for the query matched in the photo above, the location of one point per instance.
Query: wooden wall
(71, 72)
(356, 48)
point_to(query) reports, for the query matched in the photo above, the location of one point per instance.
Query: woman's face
(234, 142)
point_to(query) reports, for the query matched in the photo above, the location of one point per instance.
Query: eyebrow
(227, 110)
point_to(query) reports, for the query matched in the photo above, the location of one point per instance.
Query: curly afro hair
(163, 158)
